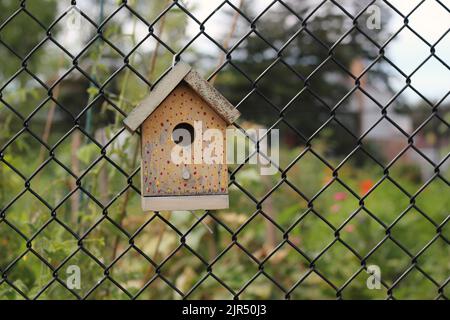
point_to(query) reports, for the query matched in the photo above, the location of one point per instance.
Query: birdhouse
(183, 125)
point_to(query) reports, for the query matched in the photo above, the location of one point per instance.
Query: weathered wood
(215, 100)
(181, 72)
(163, 177)
(212, 202)
(183, 99)
(156, 96)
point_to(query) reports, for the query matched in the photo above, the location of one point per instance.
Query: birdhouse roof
(181, 72)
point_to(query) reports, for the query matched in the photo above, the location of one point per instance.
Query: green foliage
(307, 228)
(13, 33)
(54, 214)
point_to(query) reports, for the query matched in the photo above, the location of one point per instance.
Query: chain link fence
(358, 207)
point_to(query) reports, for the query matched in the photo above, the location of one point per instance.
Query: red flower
(365, 186)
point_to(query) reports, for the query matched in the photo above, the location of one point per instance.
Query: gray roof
(181, 72)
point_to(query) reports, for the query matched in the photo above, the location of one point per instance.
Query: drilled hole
(183, 134)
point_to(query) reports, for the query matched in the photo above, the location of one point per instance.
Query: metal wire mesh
(113, 262)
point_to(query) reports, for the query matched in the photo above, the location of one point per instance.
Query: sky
(431, 21)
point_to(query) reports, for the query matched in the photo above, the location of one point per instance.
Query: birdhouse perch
(173, 118)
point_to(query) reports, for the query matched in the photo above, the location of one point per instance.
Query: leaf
(87, 152)
(92, 91)
(20, 285)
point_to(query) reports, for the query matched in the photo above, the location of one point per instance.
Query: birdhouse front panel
(182, 109)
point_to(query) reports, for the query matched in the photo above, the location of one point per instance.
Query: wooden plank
(203, 202)
(163, 177)
(213, 97)
(156, 96)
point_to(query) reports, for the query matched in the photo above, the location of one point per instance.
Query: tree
(16, 37)
(301, 62)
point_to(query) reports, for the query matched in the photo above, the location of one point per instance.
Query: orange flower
(365, 186)
(327, 178)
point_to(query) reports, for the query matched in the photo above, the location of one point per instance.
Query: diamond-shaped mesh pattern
(69, 171)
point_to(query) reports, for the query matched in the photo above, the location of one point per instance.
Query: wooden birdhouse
(180, 120)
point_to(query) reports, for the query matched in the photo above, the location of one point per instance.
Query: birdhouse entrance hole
(183, 134)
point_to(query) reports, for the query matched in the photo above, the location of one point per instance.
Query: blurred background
(363, 177)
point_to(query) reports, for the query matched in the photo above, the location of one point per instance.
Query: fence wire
(113, 262)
